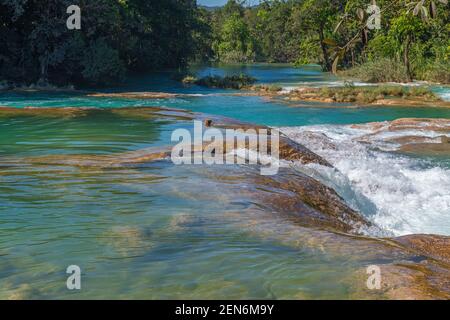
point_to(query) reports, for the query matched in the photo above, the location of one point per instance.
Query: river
(158, 231)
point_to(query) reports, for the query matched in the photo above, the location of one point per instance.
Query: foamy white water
(445, 96)
(401, 194)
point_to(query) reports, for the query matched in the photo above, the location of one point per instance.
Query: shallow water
(253, 109)
(162, 231)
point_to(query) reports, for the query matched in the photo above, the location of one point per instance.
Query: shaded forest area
(116, 37)
(122, 36)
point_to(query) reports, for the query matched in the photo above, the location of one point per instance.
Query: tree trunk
(353, 58)
(406, 60)
(43, 79)
(326, 59)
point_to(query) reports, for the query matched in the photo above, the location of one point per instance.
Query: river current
(163, 231)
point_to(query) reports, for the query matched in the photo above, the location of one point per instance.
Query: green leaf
(338, 26)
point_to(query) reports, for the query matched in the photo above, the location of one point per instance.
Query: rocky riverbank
(370, 96)
(343, 97)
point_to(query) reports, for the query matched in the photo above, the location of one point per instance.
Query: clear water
(157, 230)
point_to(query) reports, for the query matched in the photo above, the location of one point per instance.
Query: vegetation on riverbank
(395, 95)
(413, 41)
(383, 70)
(118, 37)
(365, 95)
(268, 88)
(240, 81)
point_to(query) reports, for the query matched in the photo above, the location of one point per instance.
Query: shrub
(422, 92)
(102, 64)
(381, 70)
(189, 79)
(275, 88)
(268, 88)
(229, 82)
(392, 91)
(371, 94)
(235, 56)
(438, 72)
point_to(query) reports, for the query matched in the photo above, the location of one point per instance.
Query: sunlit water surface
(164, 231)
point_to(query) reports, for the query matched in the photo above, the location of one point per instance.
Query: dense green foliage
(119, 36)
(116, 36)
(228, 82)
(414, 36)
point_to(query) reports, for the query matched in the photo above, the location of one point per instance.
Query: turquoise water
(252, 109)
(156, 230)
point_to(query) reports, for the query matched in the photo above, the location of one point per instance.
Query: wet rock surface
(135, 95)
(413, 267)
(440, 125)
(309, 201)
(433, 139)
(289, 150)
(435, 247)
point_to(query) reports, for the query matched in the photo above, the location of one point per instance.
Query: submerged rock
(289, 150)
(72, 112)
(404, 281)
(135, 95)
(128, 241)
(432, 246)
(412, 267)
(23, 292)
(118, 160)
(64, 112)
